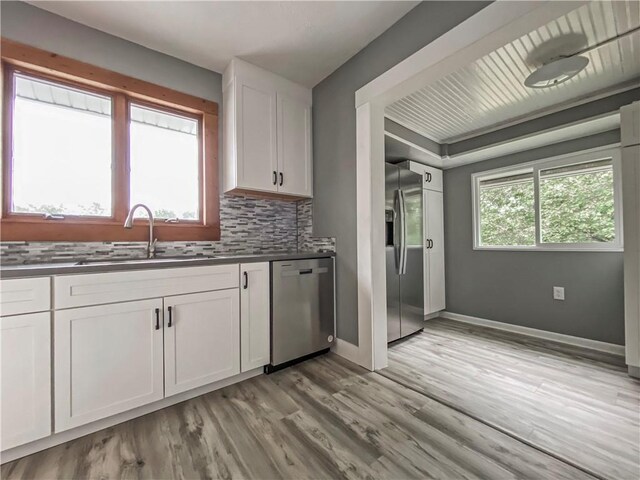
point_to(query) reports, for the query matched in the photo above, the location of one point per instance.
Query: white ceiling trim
(570, 131)
(399, 122)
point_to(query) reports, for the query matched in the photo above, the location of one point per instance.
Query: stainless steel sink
(120, 261)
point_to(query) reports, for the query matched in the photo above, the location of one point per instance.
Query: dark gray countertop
(117, 265)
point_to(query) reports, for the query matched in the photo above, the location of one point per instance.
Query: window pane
(61, 150)
(164, 163)
(576, 203)
(507, 215)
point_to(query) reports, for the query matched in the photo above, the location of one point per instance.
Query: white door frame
(492, 27)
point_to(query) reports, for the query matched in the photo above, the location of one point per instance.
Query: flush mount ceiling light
(556, 72)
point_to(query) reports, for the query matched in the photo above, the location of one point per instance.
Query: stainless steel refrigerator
(404, 252)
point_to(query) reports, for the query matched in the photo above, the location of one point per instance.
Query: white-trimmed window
(570, 202)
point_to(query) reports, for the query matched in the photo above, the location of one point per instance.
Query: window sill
(550, 249)
(101, 231)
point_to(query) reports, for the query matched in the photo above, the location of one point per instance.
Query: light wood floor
(580, 407)
(325, 418)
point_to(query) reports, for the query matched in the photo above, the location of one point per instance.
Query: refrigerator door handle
(397, 240)
(403, 234)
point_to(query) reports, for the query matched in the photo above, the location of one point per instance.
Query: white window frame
(600, 153)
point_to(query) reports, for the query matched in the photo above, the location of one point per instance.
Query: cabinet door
(201, 339)
(108, 359)
(254, 315)
(257, 161)
(294, 147)
(432, 178)
(434, 297)
(25, 388)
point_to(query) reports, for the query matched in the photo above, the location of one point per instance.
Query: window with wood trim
(81, 145)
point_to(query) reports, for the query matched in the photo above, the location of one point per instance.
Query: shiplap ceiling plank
(490, 91)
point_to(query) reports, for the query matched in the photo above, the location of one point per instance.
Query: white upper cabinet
(255, 125)
(267, 133)
(294, 146)
(431, 177)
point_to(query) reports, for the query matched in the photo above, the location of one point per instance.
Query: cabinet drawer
(25, 295)
(94, 289)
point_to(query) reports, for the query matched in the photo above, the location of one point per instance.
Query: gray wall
(516, 287)
(334, 136)
(30, 25)
(27, 24)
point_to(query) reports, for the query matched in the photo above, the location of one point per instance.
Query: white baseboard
(58, 438)
(346, 350)
(534, 332)
(433, 315)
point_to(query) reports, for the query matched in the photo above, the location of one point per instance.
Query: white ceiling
(302, 41)
(490, 93)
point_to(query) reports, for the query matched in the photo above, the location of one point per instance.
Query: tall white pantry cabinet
(267, 133)
(433, 231)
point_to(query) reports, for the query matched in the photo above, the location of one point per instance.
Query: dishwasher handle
(304, 271)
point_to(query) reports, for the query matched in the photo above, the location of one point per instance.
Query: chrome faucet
(128, 223)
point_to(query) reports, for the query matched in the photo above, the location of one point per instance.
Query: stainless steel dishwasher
(302, 310)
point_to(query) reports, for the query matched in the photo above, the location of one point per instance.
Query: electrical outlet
(558, 293)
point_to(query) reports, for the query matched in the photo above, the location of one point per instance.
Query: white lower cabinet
(108, 359)
(434, 294)
(254, 315)
(111, 358)
(201, 339)
(25, 387)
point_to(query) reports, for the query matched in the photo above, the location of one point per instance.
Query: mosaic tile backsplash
(247, 225)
